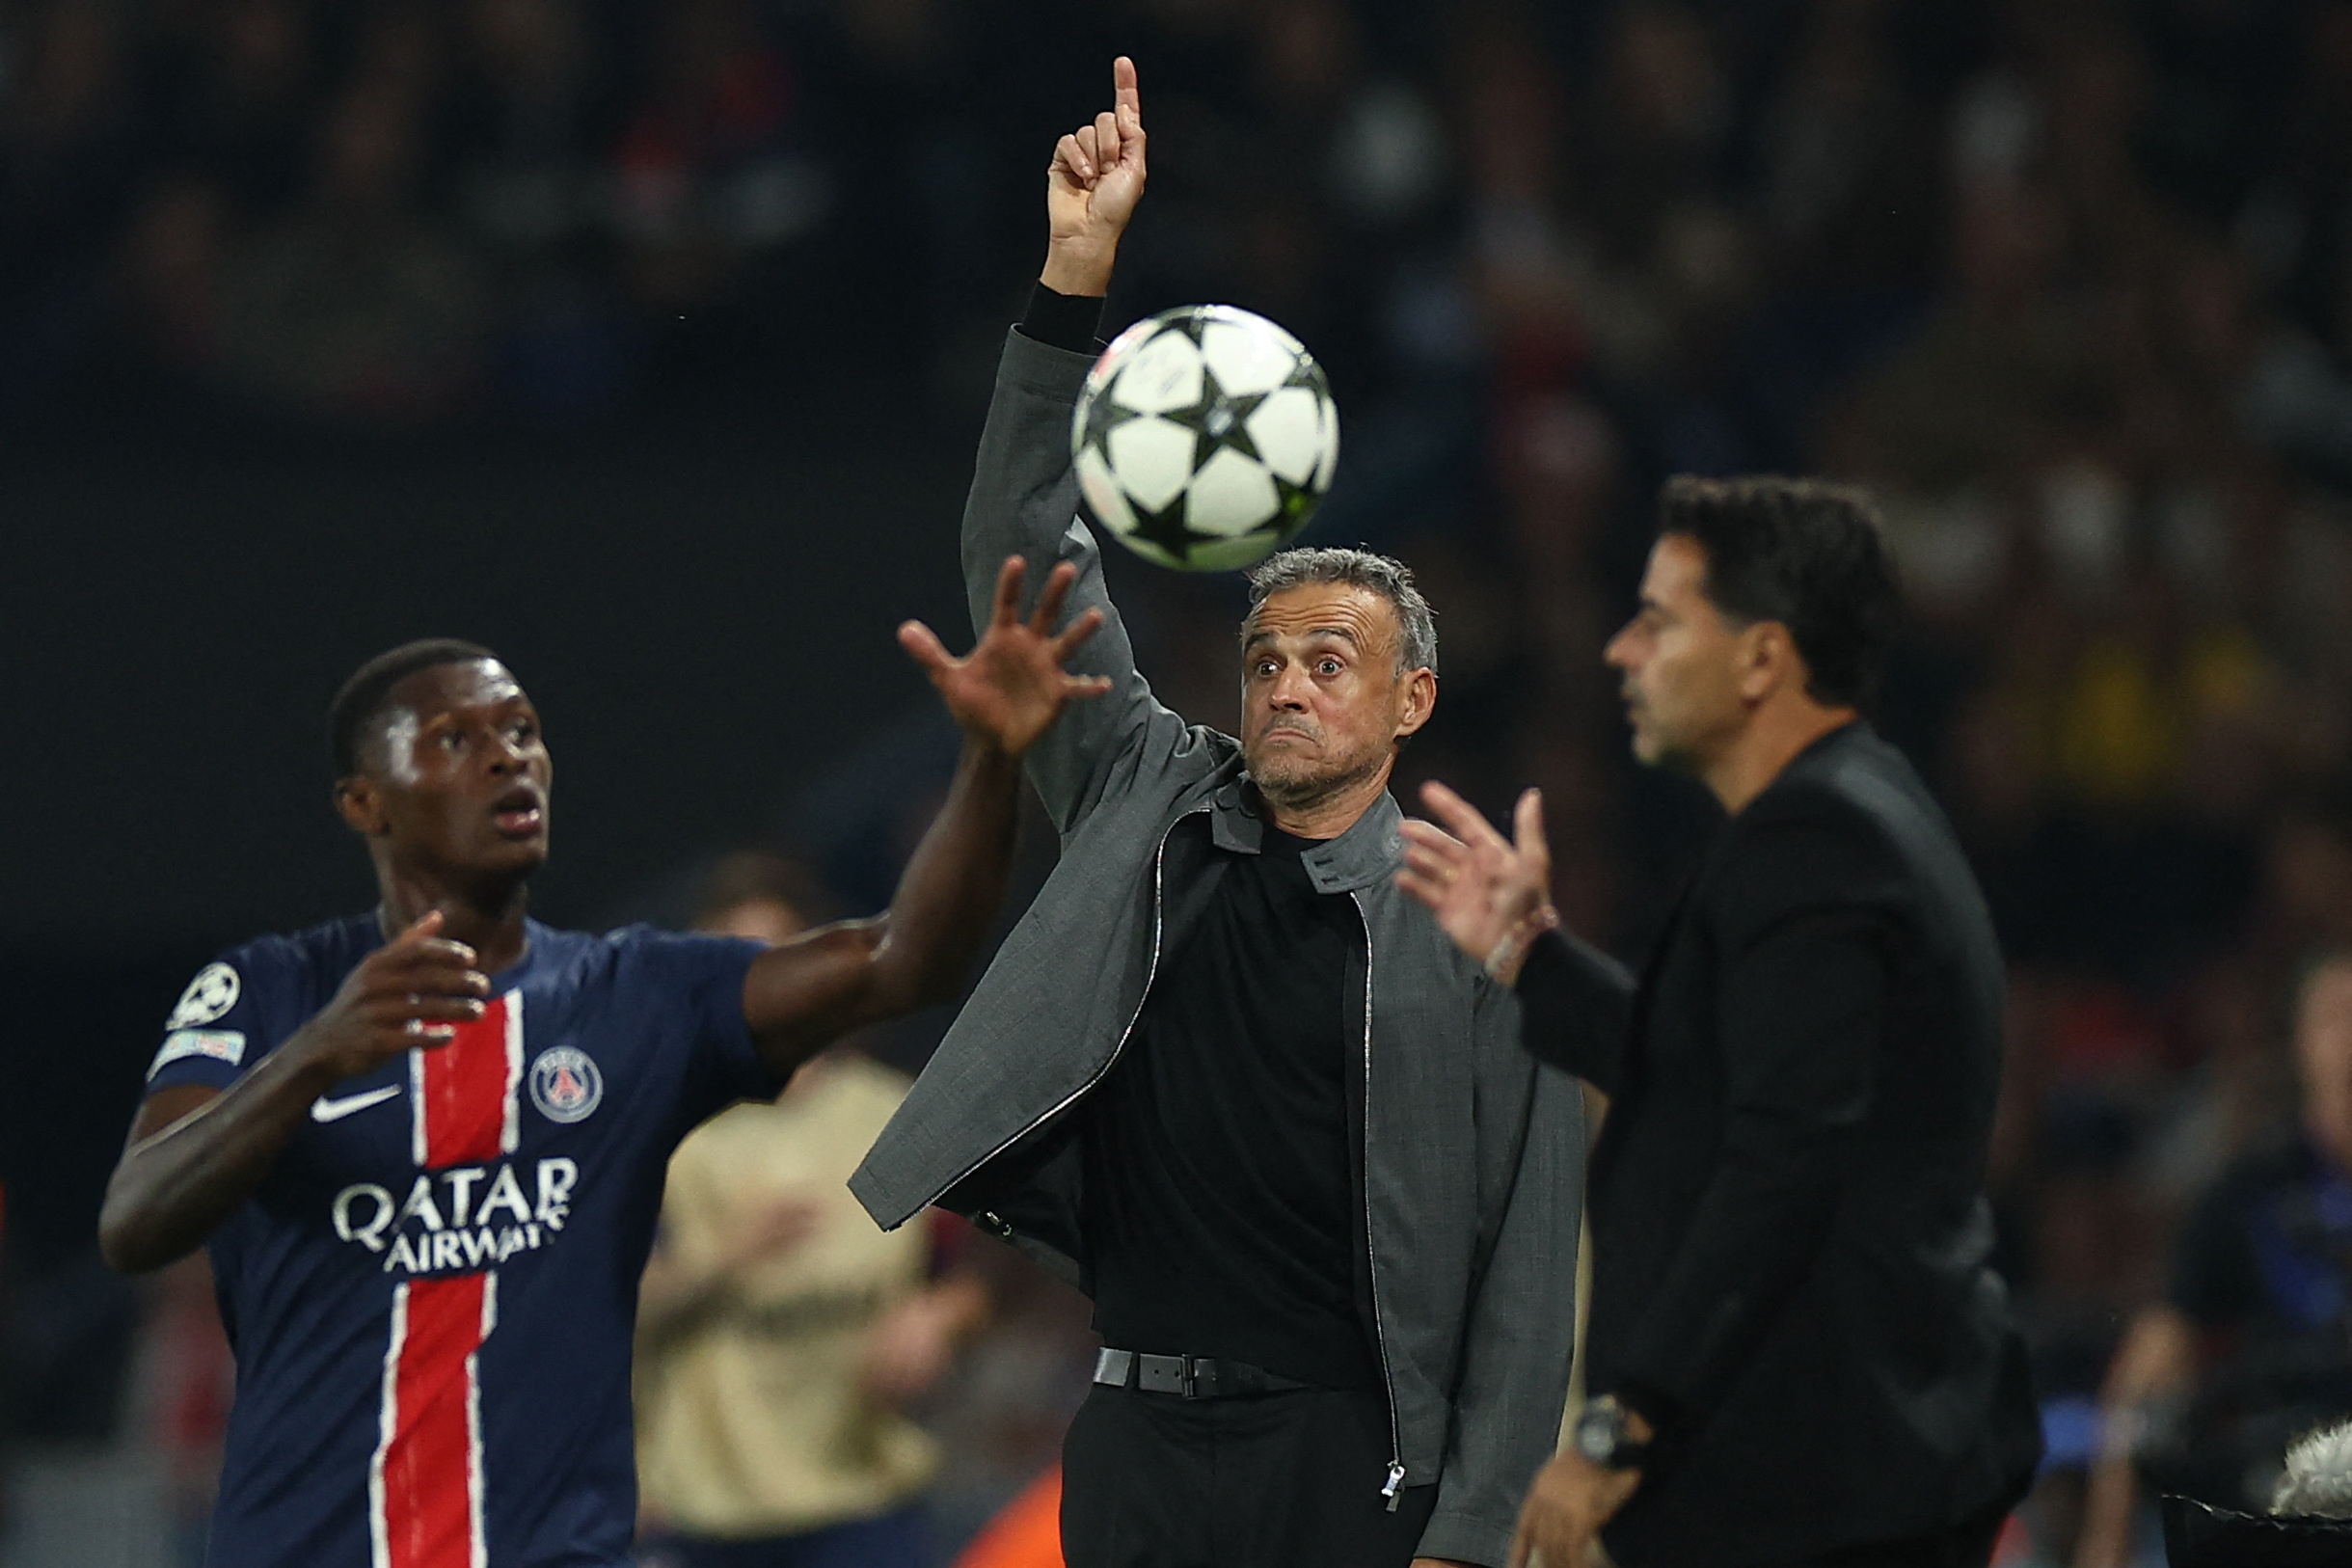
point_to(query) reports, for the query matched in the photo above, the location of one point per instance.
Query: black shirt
(1221, 1217)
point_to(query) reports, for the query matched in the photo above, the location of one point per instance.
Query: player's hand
(1570, 1500)
(414, 991)
(1011, 687)
(1091, 190)
(1482, 887)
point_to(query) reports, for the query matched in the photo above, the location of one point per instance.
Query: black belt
(1189, 1377)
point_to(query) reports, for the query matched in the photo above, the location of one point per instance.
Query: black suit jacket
(1789, 1231)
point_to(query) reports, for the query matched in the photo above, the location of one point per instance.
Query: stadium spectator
(2248, 1349)
(359, 305)
(779, 1335)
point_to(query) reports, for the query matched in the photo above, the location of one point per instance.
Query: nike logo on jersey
(323, 1109)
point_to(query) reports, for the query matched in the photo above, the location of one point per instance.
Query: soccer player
(426, 1142)
(1229, 1076)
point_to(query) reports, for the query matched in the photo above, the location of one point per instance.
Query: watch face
(1596, 1435)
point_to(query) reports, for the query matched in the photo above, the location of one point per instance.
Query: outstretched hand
(1485, 890)
(1091, 190)
(1011, 686)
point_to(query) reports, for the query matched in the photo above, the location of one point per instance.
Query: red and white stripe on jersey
(462, 1095)
(425, 1484)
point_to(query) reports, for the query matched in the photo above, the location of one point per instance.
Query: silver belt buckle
(1164, 1374)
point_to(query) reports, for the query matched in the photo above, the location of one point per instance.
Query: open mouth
(519, 813)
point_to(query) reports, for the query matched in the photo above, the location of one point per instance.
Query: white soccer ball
(1204, 438)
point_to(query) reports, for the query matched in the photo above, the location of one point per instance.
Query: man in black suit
(1796, 1354)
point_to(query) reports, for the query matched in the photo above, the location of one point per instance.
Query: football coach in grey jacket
(1226, 1076)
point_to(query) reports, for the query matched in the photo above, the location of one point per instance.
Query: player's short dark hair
(1803, 552)
(359, 706)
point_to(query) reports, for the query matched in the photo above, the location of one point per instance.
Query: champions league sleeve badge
(566, 1084)
(209, 995)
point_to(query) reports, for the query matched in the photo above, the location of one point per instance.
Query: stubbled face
(457, 778)
(1323, 701)
(2323, 1049)
(1679, 661)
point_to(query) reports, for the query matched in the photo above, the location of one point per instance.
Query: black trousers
(1283, 1480)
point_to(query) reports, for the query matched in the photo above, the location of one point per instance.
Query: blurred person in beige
(780, 1335)
(2251, 1347)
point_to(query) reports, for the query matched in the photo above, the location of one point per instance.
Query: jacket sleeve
(1024, 502)
(1521, 1327)
(1806, 920)
(1576, 1004)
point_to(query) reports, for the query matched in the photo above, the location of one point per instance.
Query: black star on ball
(1167, 529)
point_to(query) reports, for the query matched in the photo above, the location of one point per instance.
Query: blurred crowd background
(286, 286)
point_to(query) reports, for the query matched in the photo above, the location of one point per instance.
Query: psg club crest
(565, 1085)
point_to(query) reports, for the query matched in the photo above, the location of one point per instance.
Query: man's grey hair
(2318, 1478)
(1383, 575)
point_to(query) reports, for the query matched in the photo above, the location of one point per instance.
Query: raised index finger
(1123, 92)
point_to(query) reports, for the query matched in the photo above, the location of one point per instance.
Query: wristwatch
(1602, 1436)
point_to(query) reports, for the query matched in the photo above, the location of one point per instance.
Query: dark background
(647, 343)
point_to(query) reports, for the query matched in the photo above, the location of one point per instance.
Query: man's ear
(1768, 660)
(1421, 701)
(360, 802)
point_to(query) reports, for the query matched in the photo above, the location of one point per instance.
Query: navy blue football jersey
(431, 1296)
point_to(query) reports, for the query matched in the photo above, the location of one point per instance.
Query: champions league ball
(1204, 438)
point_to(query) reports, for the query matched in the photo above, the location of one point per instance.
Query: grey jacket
(1472, 1154)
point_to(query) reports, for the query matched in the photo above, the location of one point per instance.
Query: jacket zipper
(1152, 969)
(1371, 1261)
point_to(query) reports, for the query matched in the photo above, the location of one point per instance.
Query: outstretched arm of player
(801, 996)
(194, 1153)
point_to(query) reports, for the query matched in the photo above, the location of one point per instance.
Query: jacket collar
(1368, 853)
(1825, 750)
